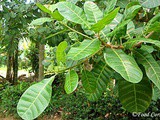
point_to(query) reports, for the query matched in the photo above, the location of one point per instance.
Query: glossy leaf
(154, 27)
(149, 3)
(131, 12)
(110, 6)
(93, 13)
(60, 52)
(73, 36)
(124, 64)
(51, 9)
(104, 32)
(151, 66)
(72, 13)
(151, 22)
(43, 8)
(130, 27)
(105, 21)
(71, 81)
(88, 81)
(40, 21)
(135, 97)
(115, 21)
(122, 3)
(35, 99)
(131, 43)
(87, 48)
(156, 94)
(72, 1)
(119, 30)
(102, 73)
(56, 15)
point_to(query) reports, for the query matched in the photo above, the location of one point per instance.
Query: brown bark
(9, 68)
(15, 66)
(41, 58)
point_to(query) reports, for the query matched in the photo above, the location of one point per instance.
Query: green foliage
(40, 21)
(102, 74)
(149, 3)
(88, 81)
(93, 13)
(71, 82)
(31, 99)
(135, 97)
(72, 13)
(123, 64)
(10, 96)
(60, 53)
(116, 47)
(132, 42)
(105, 21)
(151, 66)
(32, 55)
(86, 48)
(131, 10)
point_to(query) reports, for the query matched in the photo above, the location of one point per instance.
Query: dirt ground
(20, 72)
(55, 117)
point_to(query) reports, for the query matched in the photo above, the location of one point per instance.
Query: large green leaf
(119, 30)
(92, 12)
(135, 97)
(43, 8)
(60, 52)
(131, 43)
(72, 13)
(72, 1)
(88, 81)
(51, 9)
(115, 21)
(130, 28)
(71, 81)
(102, 73)
(104, 32)
(87, 48)
(149, 3)
(124, 64)
(122, 3)
(151, 66)
(110, 5)
(156, 94)
(40, 21)
(131, 12)
(154, 27)
(73, 36)
(35, 99)
(105, 21)
(151, 22)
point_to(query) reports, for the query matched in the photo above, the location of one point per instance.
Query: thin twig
(76, 31)
(149, 35)
(139, 43)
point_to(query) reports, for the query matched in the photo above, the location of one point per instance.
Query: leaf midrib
(88, 81)
(150, 66)
(77, 15)
(122, 64)
(134, 87)
(37, 97)
(84, 48)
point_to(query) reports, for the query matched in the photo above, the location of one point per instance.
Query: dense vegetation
(93, 59)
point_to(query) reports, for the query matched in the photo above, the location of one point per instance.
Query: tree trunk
(9, 68)
(41, 58)
(15, 66)
(36, 70)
